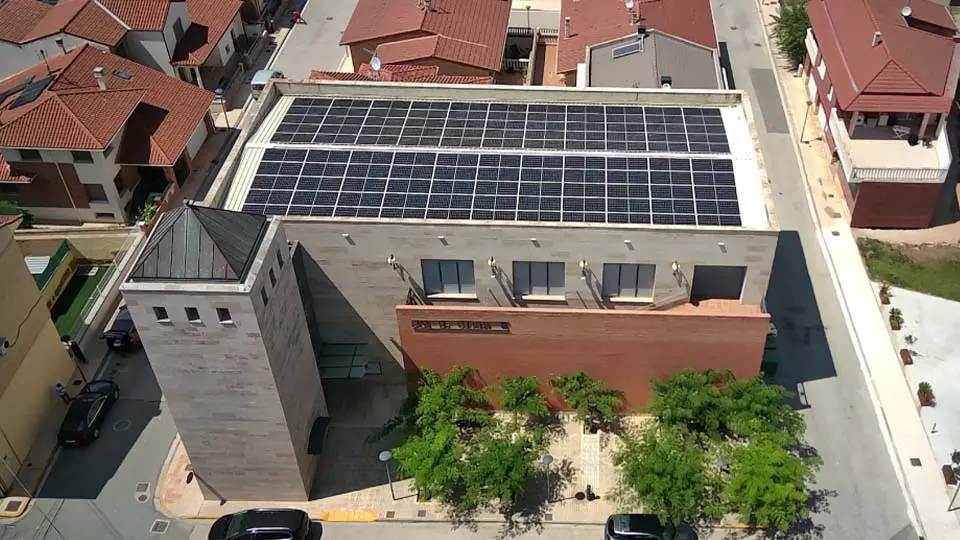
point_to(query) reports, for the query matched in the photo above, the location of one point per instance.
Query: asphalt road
(315, 43)
(91, 493)
(859, 497)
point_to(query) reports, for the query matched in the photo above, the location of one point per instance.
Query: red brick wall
(626, 349)
(888, 205)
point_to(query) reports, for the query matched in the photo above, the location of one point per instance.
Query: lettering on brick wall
(479, 327)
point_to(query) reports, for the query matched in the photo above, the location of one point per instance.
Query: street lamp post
(385, 458)
(547, 460)
(223, 106)
(805, 116)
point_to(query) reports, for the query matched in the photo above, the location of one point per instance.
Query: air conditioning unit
(861, 120)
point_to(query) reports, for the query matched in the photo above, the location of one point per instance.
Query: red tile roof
(141, 14)
(9, 177)
(23, 21)
(160, 112)
(598, 21)
(400, 74)
(470, 32)
(19, 17)
(910, 70)
(8, 220)
(210, 21)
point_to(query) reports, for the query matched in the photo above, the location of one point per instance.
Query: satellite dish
(906, 11)
(375, 63)
(629, 4)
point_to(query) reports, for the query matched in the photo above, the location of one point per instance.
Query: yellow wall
(91, 245)
(35, 361)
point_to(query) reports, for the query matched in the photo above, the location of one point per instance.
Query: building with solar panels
(519, 230)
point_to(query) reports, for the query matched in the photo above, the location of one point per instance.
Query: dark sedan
(87, 412)
(644, 527)
(265, 523)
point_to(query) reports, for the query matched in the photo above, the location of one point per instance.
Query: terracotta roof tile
(9, 177)
(597, 21)
(18, 17)
(470, 32)
(399, 74)
(8, 220)
(911, 69)
(141, 14)
(73, 113)
(211, 19)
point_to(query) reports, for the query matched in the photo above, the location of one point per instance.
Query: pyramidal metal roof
(197, 243)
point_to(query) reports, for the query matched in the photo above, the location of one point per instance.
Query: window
(95, 411)
(280, 259)
(537, 279)
(263, 295)
(223, 315)
(447, 277)
(105, 215)
(30, 155)
(81, 156)
(95, 192)
(178, 30)
(161, 314)
(628, 280)
(273, 278)
(193, 314)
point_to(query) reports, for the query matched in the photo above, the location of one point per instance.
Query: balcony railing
(516, 64)
(812, 47)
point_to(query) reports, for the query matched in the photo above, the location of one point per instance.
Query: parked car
(87, 410)
(644, 527)
(122, 335)
(265, 524)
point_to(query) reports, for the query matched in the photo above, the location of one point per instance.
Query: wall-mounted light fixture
(675, 266)
(677, 272)
(492, 263)
(345, 235)
(584, 268)
(722, 246)
(392, 260)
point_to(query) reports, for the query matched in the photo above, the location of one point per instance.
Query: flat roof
(556, 156)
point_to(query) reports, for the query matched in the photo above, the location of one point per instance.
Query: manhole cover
(143, 497)
(143, 487)
(159, 526)
(12, 506)
(121, 425)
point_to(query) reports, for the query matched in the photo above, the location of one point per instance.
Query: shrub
(790, 31)
(896, 318)
(926, 391)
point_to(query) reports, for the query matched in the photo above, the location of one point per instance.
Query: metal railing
(516, 64)
(519, 31)
(80, 327)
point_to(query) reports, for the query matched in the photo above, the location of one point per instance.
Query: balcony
(812, 48)
(879, 153)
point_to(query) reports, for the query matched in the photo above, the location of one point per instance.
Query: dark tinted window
(76, 419)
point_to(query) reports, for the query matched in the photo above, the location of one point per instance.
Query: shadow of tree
(552, 425)
(529, 512)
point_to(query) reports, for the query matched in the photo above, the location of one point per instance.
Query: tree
(522, 396)
(595, 402)
(663, 470)
(448, 400)
(790, 31)
(433, 460)
(690, 400)
(498, 467)
(768, 484)
(758, 409)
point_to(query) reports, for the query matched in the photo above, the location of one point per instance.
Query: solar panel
(31, 92)
(480, 125)
(11, 91)
(579, 188)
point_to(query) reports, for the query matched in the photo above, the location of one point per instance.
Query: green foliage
(498, 467)
(790, 31)
(757, 409)
(433, 460)
(896, 317)
(147, 212)
(595, 402)
(448, 400)
(926, 390)
(689, 399)
(664, 472)
(928, 270)
(522, 396)
(10, 208)
(768, 484)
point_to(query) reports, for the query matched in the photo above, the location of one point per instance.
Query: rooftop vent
(666, 82)
(101, 77)
(427, 5)
(876, 39)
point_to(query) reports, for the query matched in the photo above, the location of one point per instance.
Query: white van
(260, 80)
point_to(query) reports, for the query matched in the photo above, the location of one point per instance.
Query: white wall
(196, 140)
(14, 59)
(149, 49)
(178, 11)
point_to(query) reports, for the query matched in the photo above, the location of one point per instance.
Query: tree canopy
(594, 401)
(522, 396)
(790, 31)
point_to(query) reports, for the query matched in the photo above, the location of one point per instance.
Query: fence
(81, 326)
(54, 263)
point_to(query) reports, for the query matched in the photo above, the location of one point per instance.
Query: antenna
(376, 65)
(43, 55)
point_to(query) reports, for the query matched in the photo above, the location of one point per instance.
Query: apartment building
(634, 44)
(881, 76)
(80, 132)
(195, 40)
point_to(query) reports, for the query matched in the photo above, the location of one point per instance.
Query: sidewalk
(914, 463)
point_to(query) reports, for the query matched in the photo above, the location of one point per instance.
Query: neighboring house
(881, 77)
(461, 37)
(34, 361)
(399, 73)
(218, 307)
(176, 37)
(79, 134)
(657, 43)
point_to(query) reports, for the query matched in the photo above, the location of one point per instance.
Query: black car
(265, 524)
(122, 335)
(644, 527)
(86, 413)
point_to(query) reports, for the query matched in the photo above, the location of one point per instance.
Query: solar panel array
(442, 124)
(484, 186)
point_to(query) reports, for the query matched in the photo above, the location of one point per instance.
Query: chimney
(876, 39)
(100, 77)
(428, 5)
(566, 27)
